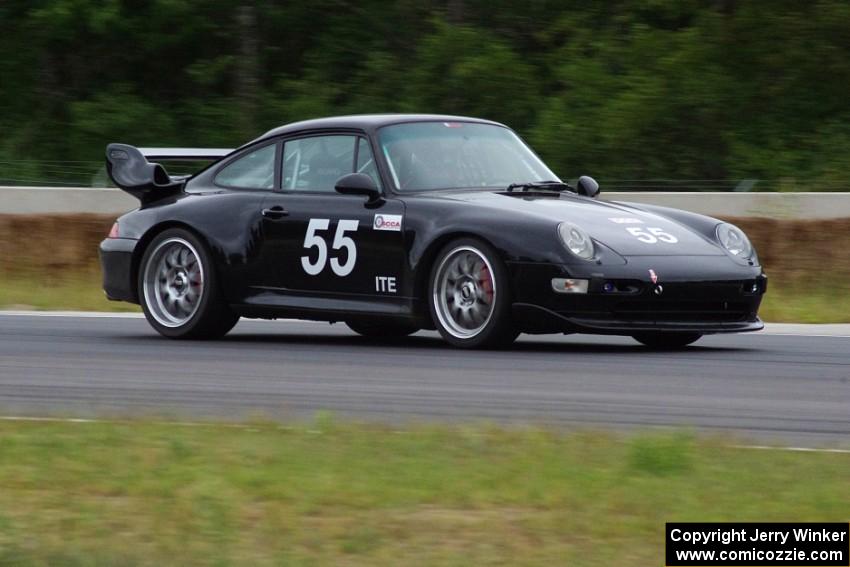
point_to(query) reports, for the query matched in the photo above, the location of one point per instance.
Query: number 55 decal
(312, 240)
(652, 235)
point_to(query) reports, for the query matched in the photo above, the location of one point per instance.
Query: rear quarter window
(254, 170)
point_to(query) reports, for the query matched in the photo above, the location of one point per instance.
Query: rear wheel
(469, 296)
(661, 340)
(381, 330)
(179, 291)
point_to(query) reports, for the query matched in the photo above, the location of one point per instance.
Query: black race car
(394, 223)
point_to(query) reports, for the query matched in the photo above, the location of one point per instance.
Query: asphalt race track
(781, 388)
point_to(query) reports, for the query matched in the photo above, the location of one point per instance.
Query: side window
(315, 163)
(252, 171)
(366, 161)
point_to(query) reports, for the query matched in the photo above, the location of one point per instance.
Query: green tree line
(621, 89)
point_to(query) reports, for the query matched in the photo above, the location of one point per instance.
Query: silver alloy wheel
(464, 292)
(173, 282)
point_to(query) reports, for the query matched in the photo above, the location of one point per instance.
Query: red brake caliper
(487, 282)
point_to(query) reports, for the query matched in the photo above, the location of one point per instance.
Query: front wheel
(661, 340)
(179, 291)
(469, 296)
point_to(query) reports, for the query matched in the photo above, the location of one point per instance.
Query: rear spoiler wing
(129, 168)
(185, 154)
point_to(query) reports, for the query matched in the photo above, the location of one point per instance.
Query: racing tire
(179, 290)
(469, 296)
(382, 330)
(666, 341)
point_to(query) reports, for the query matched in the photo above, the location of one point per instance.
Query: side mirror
(358, 184)
(587, 186)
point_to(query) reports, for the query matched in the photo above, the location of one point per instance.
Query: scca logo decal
(387, 222)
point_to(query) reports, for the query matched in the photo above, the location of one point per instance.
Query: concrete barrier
(46, 200)
(49, 200)
(801, 206)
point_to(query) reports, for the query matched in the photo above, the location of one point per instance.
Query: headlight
(734, 240)
(576, 240)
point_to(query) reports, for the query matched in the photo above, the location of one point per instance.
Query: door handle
(276, 212)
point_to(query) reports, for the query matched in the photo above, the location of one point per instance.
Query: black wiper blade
(553, 185)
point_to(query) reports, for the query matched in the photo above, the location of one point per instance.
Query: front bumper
(694, 301)
(536, 319)
(116, 261)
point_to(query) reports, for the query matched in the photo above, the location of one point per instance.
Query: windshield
(446, 155)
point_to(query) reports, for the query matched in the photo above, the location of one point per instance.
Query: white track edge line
(80, 314)
(792, 449)
(121, 315)
(38, 419)
(806, 335)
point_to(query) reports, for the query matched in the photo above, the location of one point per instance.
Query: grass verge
(79, 291)
(798, 302)
(330, 494)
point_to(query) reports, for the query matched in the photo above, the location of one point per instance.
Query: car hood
(624, 228)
